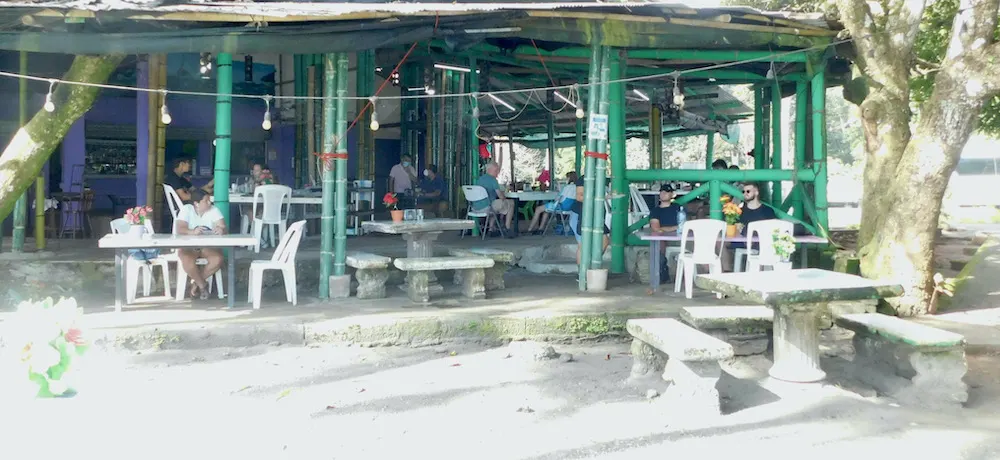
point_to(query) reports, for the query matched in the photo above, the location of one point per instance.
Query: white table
(122, 242)
(533, 196)
(356, 195)
(798, 297)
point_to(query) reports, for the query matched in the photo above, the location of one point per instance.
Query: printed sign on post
(598, 129)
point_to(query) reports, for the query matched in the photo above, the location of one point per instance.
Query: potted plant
(731, 211)
(784, 245)
(136, 217)
(49, 341)
(390, 201)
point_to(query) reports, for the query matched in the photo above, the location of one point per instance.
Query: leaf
(283, 394)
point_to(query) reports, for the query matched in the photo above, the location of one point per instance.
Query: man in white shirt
(402, 176)
(200, 217)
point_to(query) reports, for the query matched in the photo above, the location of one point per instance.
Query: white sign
(598, 129)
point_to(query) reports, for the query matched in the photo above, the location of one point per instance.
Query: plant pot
(731, 231)
(597, 280)
(397, 215)
(137, 231)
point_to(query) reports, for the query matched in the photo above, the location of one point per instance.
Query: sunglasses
(747, 191)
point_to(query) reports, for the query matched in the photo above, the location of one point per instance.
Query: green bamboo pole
(600, 166)
(801, 121)
(619, 186)
(340, 168)
(327, 227)
(776, 195)
(21, 205)
(584, 225)
(223, 132)
(655, 134)
(758, 127)
(709, 150)
(550, 129)
(819, 144)
(714, 199)
(364, 87)
(473, 144)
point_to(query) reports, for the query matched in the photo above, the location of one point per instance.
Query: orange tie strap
(598, 155)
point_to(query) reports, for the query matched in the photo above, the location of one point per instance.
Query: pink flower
(74, 336)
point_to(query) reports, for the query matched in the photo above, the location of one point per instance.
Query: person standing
(402, 176)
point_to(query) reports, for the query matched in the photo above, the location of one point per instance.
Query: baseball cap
(667, 188)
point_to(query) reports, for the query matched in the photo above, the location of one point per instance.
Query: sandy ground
(470, 401)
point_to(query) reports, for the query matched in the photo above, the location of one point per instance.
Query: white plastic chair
(568, 193)
(284, 260)
(182, 275)
(709, 239)
(134, 267)
(765, 255)
(275, 200)
(474, 193)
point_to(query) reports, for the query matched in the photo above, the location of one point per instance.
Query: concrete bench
(494, 275)
(746, 328)
(914, 363)
(689, 358)
(473, 277)
(372, 271)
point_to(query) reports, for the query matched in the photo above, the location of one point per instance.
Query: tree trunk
(31, 147)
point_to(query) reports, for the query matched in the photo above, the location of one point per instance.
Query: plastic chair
(568, 193)
(765, 255)
(709, 237)
(134, 267)
(182, 275)
(284, 260)
(275, 201)
(474, 193)
(174, 201)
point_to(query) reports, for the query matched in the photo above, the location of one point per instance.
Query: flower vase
(397, 215)
(731, 231)
(137, 230)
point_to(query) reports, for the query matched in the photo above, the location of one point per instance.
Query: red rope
(542, 59)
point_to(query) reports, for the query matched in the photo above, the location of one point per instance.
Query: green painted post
(715, 199)
(327, 228)
(709, 150)
(473, 150)
(585, 220)
(776, 195)
(364, 87)
(655, 134)
(578, 159)
(223, 132)
(724, 175)
(550, 129)
(619, 186)
(801, 120)
(819, 144)
(21, 205)
(758, 127)
(340, 169)
(608, 59)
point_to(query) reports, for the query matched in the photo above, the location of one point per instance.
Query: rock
(651, 393)
(525, 409)
(566, 357)
(533, 350)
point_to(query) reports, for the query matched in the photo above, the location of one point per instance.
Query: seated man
(664, 219)
(563, 203)
(179, 177)
(433, 197)
(576, 213)
(495, 197)
(753, 211)
(200, 217)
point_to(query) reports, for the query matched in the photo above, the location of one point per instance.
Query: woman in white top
(200, 217)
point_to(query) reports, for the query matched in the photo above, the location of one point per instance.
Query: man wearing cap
(664, 219)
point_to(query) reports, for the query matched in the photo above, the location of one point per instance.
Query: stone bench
(914, 363)
(372, 271)
(420, 269)
(688, 357)
(494, 275)
(746, 328)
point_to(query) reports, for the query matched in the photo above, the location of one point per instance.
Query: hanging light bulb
(164, 113)
(580, 113)
(266, 124)
(49, 105)
(575, 91)
(374, 124)
(678, 96)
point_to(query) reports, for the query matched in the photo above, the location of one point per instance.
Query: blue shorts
(563, 206)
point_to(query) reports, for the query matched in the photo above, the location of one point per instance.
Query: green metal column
(819, 143)
(584, 225)
(608, 59)
(655, 134)
(709, 149)
(619, 186)
(21, 205)
(550, 129)
(223, 132)
(758, 127)
(365, 87)
(473, 148)
(776, 195)
(578, 159)
(340, 167)
(299, 161)
(327, 228)
(801, 119)
(715, 199)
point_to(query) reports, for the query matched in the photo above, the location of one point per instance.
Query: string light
(164, 113)
(49, 105)
(266, 124)
(374, 124)
(678, 95)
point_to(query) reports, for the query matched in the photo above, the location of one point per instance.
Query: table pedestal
(421, 245)
(796, 343)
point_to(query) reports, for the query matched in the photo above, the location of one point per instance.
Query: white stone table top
(163, 240)
(810, 285)
(417, 226)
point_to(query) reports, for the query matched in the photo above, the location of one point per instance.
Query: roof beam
(657, 54)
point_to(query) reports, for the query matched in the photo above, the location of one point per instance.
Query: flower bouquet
(49, 341)
(784, 245)
(390, 201)
(138, 215)
(731, 212)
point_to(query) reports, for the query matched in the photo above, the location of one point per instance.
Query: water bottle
(681, 218)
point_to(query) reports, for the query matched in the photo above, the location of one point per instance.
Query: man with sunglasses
(753, 211)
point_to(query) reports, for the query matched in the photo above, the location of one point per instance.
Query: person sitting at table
(433, 197)
(200, 217)
(544, 211)
(495, 197)
(663, 219)
(753, 210)
(576, 211)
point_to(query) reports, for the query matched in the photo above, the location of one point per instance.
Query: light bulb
(266, 124)
(579, 112)
(49, 105)
(165, 115)
(374, 124)
(679, 100)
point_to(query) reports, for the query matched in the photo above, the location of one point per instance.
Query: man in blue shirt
(495, 197)
(433, 193)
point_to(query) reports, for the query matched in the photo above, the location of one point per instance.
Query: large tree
(31, 147)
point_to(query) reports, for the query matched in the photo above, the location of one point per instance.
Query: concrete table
(122, 242)
(798, 297)
(420, 236)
